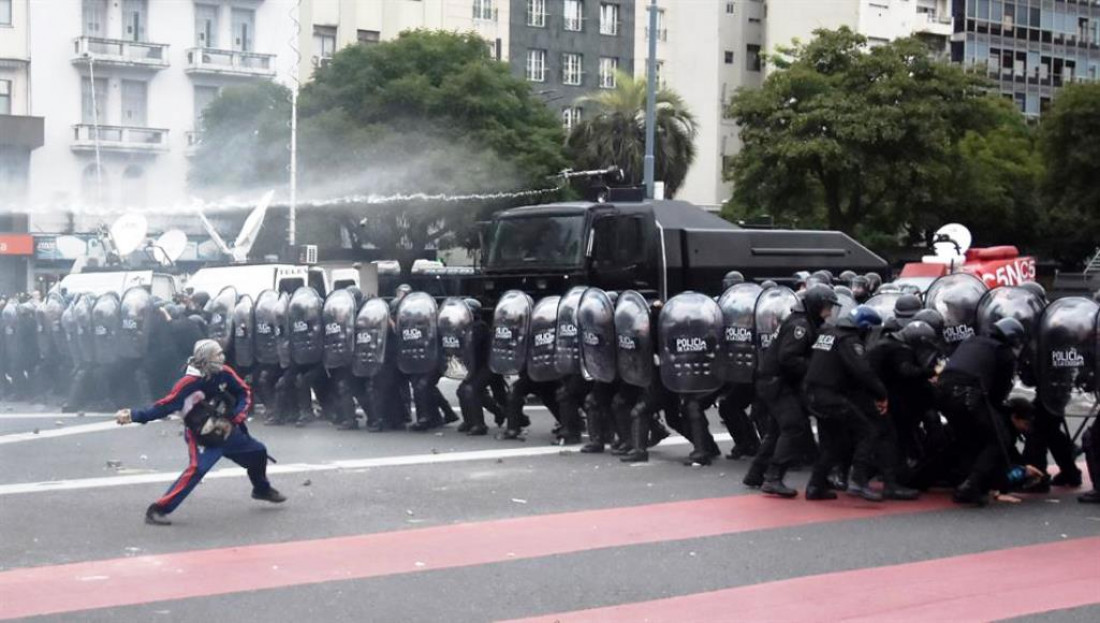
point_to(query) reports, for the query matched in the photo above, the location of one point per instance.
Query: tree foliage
(429, 112)
(1070, 143)
(879, 142)
(613, 133)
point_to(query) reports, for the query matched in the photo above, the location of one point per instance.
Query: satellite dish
(171, 246)
(128, 232)
(952, 240)
(251, 228)
(71, 247)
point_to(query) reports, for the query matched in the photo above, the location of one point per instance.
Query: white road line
(51, 416)
(299, 468)
(60, 432)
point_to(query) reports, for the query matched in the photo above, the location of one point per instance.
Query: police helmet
(731, 279)
(875, 280)
(768, 284)
(862, 317)
(917, 333)
(823, 276)
(816, 298)
(907, 306)
(930, 317)
(1035, 288)
(845, 290)
(474, 305)
(1010, 331)
(847, 276)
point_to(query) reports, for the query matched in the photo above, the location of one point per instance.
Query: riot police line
(913, 392)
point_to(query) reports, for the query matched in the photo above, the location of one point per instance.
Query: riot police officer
(973, 387)
(779, 381)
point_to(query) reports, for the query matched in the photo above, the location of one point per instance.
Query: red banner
(16, 244)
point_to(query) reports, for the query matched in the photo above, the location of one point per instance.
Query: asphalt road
(438, 526)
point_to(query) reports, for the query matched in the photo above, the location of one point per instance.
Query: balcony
(229, 63)
(21, 131)
(119, 138)
(934, 24)
(120, 53)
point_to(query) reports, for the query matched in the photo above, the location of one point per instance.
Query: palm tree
(613, 133)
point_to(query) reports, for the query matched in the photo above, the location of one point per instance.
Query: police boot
(657, 432)
(773, 482)
(969, 493)
(860, 486)
(595, 433)
(838, 479)
(639, 435)
(1092, 497)
(477, 430)
(755, 476)
(1067, 479)
(818, 492)
(894, 491)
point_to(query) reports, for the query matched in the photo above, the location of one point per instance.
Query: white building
(706, 50)
(123, 82)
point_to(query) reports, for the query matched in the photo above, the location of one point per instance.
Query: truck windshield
(537, 240)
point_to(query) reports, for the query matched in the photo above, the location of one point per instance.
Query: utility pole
(651, 102)
(95, 132)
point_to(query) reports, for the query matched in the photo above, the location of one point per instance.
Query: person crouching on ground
(214, 402)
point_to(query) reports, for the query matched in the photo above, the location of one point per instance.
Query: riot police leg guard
(732, 411)
(791, 444)
(641, 414)
(1090, 442)
(515, 420)
(766, 390)
(427, 410)
(703, 445)
(621, 405)
(597, 406)
(78, 392)
(343, 401)
(470, 394)
(306, 380)
(571, 395)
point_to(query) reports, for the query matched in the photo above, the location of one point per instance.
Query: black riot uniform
(973, 387)
(473, 391)
(779, 381)
(841, 392)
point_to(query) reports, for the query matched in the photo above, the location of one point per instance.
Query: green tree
(871, 141)
(1070, 142)
(428, 113)
(613, 133)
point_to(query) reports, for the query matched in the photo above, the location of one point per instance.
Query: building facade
(1029, 48)
(122, 85)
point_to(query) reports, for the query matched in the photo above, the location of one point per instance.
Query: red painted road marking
(128, 581)
(976, 587)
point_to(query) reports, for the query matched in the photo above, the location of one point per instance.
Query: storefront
(15, 253)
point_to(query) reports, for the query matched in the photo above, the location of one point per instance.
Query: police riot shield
(634, 338)
(1065, 350)
(541, 356)
(52, 311)
(690, 335)
(772, 308)
(282, 330)
(43, 335)
(956, 297)
(417, 334)
(68, 326)
(567, 350)
(220, 327)
(265, 349)
(511, 331)
(372, 326)
(28, 332)
(737, 352)
(596, 322)
(304, 321)
(9, 320)
(136, 311)
(456, 338)
(883, 303)
(244, 333)
(105, 327)
(339, 318)
(1009, 302)
(847, 304)
(84, 331)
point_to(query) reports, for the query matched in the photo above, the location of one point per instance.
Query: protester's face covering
(208, 357)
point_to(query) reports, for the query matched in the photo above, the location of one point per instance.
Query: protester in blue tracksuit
(210, 433)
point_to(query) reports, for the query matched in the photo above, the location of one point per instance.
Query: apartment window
(536, 65)
(660, 74)
(324, 41)
(5, 12)
(204, 96)
(536, 13)
(570, 117)
(5, 95)
(729, 57)
(609, 19)
(134, 103)
(206, 26)
(608, 67)
(134, 18)
(753, 61)
(662, 34)
(244, 27)
(574, 15)
(95, 18)
(731, 8)
(368, 37)
(100, 97)
(571, 65)
(483, 10)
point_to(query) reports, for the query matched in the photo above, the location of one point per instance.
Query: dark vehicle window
(618, 241)
(553, 240)
(290, 285)
(317, 282)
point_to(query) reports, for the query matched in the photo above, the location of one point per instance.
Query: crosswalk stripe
(137, 580)
(975, 587)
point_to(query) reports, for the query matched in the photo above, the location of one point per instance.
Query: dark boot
(894, 491)
(755, 476)
(860, 486)
(639, 438)
(1067, 479)
(968, 493)
(478, 430)
(154, 516)
(268, 495)
(1092, 497)
(773, 483)
(657, 432)
(819, 493)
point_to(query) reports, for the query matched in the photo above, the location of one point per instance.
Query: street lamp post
(651, 102)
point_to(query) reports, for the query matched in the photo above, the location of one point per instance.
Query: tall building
(122, 85)
(20, 135)
(706, 50)
(1030, 48)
